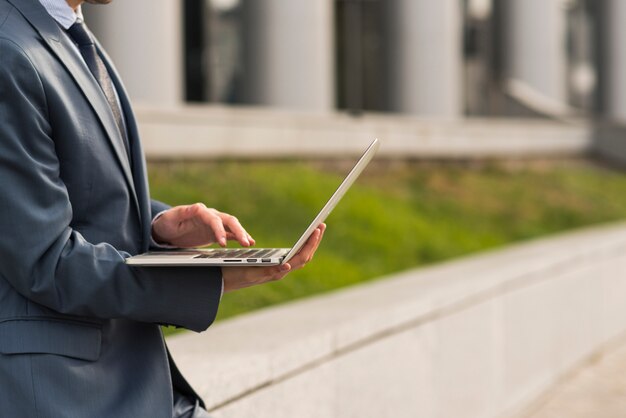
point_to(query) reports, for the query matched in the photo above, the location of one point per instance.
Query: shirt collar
(62, 12)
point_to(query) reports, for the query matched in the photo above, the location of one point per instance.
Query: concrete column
(144, 39)
(614, 63)
(290, 53)
(425, 38)
(536, 46)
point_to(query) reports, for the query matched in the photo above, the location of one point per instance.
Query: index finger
(235, 228)
(214, 221)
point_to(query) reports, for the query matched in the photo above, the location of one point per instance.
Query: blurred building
(444, 58)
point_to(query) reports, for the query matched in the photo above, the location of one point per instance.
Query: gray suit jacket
(79, 333)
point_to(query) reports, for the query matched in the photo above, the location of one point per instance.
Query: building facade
(445, 58)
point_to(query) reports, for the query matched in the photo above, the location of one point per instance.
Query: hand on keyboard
(196, 226)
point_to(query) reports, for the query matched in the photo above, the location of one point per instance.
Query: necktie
(87, 47)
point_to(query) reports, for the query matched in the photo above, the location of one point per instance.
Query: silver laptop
(253, 256)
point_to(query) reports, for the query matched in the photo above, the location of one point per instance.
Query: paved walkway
(596, 390)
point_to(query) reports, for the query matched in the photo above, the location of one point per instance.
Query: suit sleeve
(47, 261)
(157, 207)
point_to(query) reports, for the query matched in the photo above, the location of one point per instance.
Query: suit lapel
(138, 162)
(62, 47)
(98, 102)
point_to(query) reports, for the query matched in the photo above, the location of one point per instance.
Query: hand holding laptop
(240, 277)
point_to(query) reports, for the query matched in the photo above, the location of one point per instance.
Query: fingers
(234, 227)
(195, 225)
(322, 229)
(316, 241)
(305, 255)
(224, 226)
(194, 220)
(211, 218)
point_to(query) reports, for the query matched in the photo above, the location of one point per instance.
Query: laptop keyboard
(239, 253)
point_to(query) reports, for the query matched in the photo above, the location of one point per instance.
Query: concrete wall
(478, 337)
(216, 132)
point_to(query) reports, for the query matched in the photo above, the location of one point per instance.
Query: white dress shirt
(62, 12)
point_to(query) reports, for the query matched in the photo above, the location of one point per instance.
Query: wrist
(158, 240)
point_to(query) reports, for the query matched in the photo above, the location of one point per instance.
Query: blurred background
(501, 124)
(424, 58)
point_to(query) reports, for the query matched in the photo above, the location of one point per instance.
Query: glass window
(360, 55)
(213, 48)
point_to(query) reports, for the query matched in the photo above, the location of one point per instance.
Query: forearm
(72, 276)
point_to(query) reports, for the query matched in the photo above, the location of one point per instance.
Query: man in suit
(79, 329)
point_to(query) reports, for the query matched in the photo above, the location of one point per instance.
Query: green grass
(397, 216)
